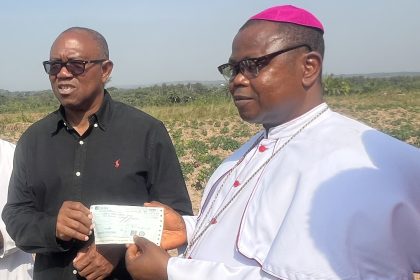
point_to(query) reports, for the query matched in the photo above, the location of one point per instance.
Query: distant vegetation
(161, 95)
(338, 85)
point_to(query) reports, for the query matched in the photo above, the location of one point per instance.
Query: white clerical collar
(286, 129)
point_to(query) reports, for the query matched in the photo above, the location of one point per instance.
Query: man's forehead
(75, 40)
(79, 35)
(258, 36)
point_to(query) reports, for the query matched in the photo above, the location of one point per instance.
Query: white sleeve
(9, 246)
(180, 269)
(6, 164)
(190, 222)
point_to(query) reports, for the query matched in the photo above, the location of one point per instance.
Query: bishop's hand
(174, 230)
(146, 261)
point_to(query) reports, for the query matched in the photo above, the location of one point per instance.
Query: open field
(204, 134)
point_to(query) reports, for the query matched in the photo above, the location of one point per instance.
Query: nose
(239, 80)
(64, 73)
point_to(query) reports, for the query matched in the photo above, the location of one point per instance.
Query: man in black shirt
(92, 150)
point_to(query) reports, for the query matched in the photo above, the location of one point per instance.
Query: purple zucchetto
(290, 14)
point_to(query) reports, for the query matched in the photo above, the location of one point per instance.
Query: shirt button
(77, 173)
(262, 148)
(74, 271)
(95, 125)
(81, 142)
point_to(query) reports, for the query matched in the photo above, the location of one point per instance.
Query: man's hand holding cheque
(74, 221)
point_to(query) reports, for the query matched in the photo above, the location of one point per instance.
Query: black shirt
(125, 157)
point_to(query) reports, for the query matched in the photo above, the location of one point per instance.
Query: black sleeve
(167, 184)
(32, 231)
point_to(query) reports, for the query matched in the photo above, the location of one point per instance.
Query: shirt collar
(102, 117)
(287, 129)
(104, 114)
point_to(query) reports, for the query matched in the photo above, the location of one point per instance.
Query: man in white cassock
(314, 195)
(14, 263)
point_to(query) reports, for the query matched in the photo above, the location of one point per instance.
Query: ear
(106, 70)
(312, 68)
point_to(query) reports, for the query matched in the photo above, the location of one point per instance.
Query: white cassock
(14, 263)
(339, 201)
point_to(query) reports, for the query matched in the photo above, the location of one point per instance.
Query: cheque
(117, 224)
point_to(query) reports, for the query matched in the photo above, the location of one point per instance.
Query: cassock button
(236, 183)
(262, 148)
(213, 221)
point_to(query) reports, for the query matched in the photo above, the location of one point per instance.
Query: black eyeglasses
(75, 67)
(250, 67)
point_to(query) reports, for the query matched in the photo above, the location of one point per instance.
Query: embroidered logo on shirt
(117, 163)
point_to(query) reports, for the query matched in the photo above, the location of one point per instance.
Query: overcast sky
(177, 40)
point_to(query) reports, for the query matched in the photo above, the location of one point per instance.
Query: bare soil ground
(202, 142)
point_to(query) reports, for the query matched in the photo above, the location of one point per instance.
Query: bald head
(102, 45)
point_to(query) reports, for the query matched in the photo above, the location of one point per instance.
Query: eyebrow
(68, 59)
(231, 61)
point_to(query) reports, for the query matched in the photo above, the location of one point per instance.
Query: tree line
(166, 94)
(338, 85)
